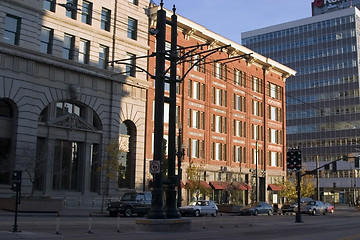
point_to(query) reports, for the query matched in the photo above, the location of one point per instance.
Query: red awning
(247, 186)
(218, 185)
(274, 187)
(239, 186)
(201, 184)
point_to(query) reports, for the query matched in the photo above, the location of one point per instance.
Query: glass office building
(322, 100)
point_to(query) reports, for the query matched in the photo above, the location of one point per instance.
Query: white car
(199, 208)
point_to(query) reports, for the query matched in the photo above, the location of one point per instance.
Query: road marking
(350, 237)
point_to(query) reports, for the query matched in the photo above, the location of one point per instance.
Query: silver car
(200, 207)
(257, 208)
(315, 207)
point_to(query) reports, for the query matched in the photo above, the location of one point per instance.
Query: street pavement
(78, 224)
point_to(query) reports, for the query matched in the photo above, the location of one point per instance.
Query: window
(197, 64)
(275, 159)
(84, 51)
(46, 40)
(12, 29)
(166, 112)
(218, 124)
(195, 119)
(196, 90)
(257, 108)
(132, 28)
(219, 97)
(130, 67)
(195, 148)
(218, 151)
(49, 5)
(103, 56)
(275, 136)
(177, 118)
(195, 61)
(275, 114)
(239, 154)
(275, 91)
(68, 47)
(202, 119)
(239, 128)
(202, 92)
(239, 103)
(239, 78)
(218, 70)
(105, 19)
(256, 84)
(86, 13)
(72, 13)
(135, 2)
(256, 132)
(66, 168)
(64, 108)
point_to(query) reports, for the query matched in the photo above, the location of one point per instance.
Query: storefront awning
(247, 186)
(239, 186)
(218, 185)
(274, 187)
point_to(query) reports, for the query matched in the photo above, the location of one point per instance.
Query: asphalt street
(77, 224)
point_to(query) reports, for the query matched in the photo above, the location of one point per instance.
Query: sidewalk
(69, 212)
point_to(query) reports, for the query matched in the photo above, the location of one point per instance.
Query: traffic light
(293, 159)
(16, 177)
(297, 159)
(290, 159)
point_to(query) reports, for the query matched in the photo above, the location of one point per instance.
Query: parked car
(315, 207)
(292, 207)
(257, 208)
(331, 208)
(289, 208)
(200, 207)
(130, 203)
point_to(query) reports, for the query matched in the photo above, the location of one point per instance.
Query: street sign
(155, 166)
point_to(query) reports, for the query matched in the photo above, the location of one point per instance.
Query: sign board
(322, 3)
(155, 166)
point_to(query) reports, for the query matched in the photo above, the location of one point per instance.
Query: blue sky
(230, 18)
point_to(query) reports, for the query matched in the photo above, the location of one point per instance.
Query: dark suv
(130, 203)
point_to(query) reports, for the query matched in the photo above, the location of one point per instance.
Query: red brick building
(232, 115)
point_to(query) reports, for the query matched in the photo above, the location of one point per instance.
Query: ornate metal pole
(171, 208)
(156, 210)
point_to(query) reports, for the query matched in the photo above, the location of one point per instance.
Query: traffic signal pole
(298, 187)
(17, 175)
(293, 160)
(157, 210)
(171, 203)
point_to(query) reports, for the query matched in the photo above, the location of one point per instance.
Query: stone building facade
(63, 99)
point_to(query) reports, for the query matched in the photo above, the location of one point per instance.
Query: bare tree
(111, 165)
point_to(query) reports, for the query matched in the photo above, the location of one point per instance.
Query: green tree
(288, 186)
(195, 176)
